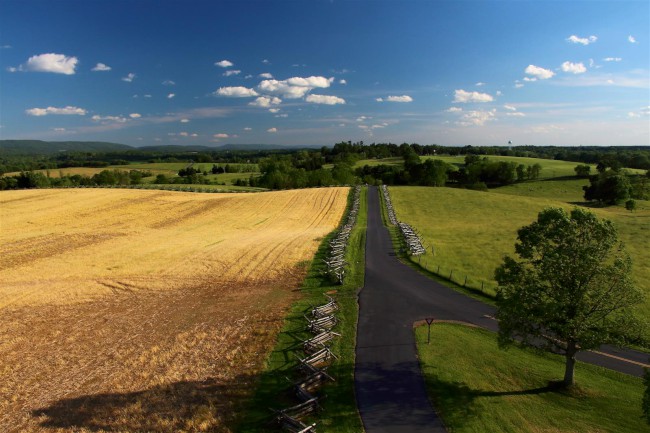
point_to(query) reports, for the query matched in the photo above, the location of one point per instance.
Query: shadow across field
(181, 406)
(456, 400)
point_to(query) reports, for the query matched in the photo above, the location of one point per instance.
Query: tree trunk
(570, 363)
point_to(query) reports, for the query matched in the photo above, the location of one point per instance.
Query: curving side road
(390, 390)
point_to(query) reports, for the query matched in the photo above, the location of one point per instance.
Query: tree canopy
(570, 289)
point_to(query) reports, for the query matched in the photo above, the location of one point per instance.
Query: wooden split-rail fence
(317, 354)
(335, 261)
(409, 235)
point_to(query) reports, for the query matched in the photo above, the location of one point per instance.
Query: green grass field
(478, 388)
(471, 231)
(339, 414)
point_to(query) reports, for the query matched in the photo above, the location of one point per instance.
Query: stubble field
(125, 310)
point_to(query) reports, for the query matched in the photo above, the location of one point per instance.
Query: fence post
(465, 283)
(450, 274)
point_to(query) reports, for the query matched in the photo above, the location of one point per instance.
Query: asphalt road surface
(390, 389)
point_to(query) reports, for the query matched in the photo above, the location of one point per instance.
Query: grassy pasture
(478, 388)
(471, 231)
(132, 310)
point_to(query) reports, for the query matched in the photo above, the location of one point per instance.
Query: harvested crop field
(131, 310)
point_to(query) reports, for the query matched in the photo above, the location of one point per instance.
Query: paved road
(390, 389)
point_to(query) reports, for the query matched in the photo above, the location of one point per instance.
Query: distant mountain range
(38, 147)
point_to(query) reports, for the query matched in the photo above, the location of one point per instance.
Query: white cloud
(510, 107)
(479, 84)
(184, 134)
(274, 110)
(266, 61)
(100, 67)
(574, 68)
(68, 110)
(464, 96)
(499, 93)
(171, 95)
(295, 87)
(221, 135)
(631, 39)
(612, 59)
(530, 79)
(185, 120)
(539, 72)
(168, 83)
(516, 114)
(248, 128)
(266, 101)
(453, 110)
(135, 115)
(476, 118)
(272, 130)
(283, 115)
(266, 75)
(51, 62)
(104, 119)
(129, 78)
(224, 63)
(194, 135)
(583, 41)
(324, 99)
(12, 69)
(235, 92)
(231, 73)
(518, 85)
(59, 129)
(403, 98)
(342, 81)
(147, 96)
(644, 111)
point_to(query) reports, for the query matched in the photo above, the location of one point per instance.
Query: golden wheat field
(132, 310)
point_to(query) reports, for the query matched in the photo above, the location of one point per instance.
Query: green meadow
(477, 388)
(471, 231)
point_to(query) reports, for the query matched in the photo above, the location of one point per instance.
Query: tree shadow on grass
(455, 401)
(209, 405)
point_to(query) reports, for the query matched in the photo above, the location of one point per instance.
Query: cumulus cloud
(342, 81)
(248, 128)
(324, 99)
(643, 112)
(583, 41)
(479, 84)
(476, 118)
(135, 115)
(295, 87)
(274, 110)
(539, 72)
(465, 96)
(510, 107)
(224, 64)
(171, 95)
(68, 110)
(454, 110)
(129, 78)
(631, 39)
(574, 68)
(266, 101)
(272, 130)
(185, 120)
(51, 62)
(235, 92)
(168, 83)
(266, 75)
(403, 98)
(221, 135)
(231, 73)
(100, 67)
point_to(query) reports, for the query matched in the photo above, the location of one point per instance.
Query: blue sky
(317, 72)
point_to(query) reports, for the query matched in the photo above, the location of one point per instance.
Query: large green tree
(570, 288)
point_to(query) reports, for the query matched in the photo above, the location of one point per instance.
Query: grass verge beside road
(477, 388)
(339, 413)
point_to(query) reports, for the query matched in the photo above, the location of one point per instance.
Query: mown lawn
(477, 388)
(471, 231)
